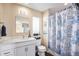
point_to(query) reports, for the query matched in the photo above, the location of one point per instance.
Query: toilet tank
(38, 42)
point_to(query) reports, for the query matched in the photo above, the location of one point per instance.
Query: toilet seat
(41, 48)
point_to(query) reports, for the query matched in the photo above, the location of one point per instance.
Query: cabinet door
(31, 50)
(21, 51)
(28, 50)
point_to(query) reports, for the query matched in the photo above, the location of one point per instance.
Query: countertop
(10, 40)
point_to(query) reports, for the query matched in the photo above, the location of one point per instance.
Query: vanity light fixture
(22, 11)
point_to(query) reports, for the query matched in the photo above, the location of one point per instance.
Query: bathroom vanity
(17, 47)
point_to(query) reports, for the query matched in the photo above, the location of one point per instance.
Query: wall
(45, 39)
(8, 13)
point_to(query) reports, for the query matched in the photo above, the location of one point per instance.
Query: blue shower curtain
(63, 32)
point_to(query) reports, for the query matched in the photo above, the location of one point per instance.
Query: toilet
(40, 48)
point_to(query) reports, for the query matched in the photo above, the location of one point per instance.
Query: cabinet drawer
(6, 47)
(7, 53)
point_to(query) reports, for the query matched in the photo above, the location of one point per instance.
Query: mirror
(22, 24)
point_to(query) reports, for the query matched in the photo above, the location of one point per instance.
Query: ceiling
(44, 6)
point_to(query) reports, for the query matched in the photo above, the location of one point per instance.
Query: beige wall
(8, 13)
(6, 17)
(45, 39)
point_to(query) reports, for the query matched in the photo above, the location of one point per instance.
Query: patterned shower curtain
(63, 31)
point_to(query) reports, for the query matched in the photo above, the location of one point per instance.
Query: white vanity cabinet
(18, 48)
